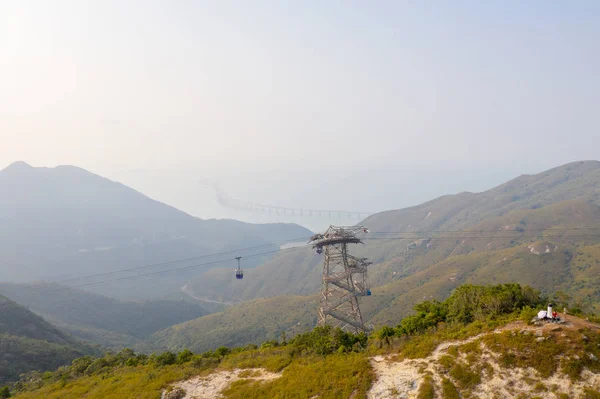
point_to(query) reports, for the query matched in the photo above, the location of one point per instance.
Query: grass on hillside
(335, 376)
(140, 382)
(330, 363)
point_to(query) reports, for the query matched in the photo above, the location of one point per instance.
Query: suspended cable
(167, 263)
(208, 264)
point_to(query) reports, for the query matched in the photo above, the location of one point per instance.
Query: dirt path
(211, 386)
(578, 322)
(401, 380)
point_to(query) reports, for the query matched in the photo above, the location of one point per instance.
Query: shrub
(385, 333)
(269, 344)
(426, 389)
(166, 358)
(222, 351)
(204, 362)
(326, 340)
(184, 356)
(132, 362)
(573, 368)
(465, 378)
(96, 366)
(449, 391)
(589, 393)
(79, 365)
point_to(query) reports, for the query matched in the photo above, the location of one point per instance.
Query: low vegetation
(330, 363)
(325, 361)
(469, 311)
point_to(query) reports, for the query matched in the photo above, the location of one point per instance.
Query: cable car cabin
(239, 272)
(368, 292)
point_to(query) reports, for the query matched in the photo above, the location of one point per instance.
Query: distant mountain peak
(18, 165)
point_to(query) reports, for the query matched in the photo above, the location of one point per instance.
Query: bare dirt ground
(211, 386)
(402, 379)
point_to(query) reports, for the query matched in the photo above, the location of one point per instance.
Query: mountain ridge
(501, 246)
(65, 222)
(448, 212)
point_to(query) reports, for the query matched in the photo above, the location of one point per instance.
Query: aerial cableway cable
(167, 263)
(397, 235)
(400, 236)
(517, 235)
(175, 270)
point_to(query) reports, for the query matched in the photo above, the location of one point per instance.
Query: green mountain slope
(504, 210)
(28, 342)
(540, 239)
(105, 321)
(249, 322)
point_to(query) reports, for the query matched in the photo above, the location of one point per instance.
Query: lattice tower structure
(344, 278)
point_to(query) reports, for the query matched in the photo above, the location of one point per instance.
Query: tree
(185, 356)
(385, 333)
(222, 351)
(4, 392)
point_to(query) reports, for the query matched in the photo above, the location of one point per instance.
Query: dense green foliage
(106, 321)
(28, 342)
(467, 303)
(19, 355)
(327, 340)
(16, 320)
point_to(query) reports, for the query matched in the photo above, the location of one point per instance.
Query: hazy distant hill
(28, 342)
(61, 222)
(105, 321)
(298, 272)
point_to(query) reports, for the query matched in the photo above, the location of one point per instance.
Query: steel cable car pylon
(239, 273)
(344, 278)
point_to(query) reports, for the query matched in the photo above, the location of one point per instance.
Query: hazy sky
(281, 100)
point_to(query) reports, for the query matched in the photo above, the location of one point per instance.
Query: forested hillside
(28, 342)
(246, 323)
(105, 321)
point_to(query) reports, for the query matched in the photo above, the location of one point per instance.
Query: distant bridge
(254, 207)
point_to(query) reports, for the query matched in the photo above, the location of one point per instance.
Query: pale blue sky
(159, 94)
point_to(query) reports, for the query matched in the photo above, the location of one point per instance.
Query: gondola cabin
(239, 272)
